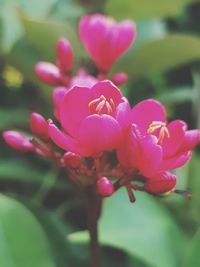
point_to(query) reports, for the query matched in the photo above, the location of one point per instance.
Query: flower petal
(74, 108)
(123, 113)
(147, 111)
(176, 134)
(150, 157)
(99, 133)
(190, 140)
(176, 161)
(65, 141)
(162, 182)
(107, 89)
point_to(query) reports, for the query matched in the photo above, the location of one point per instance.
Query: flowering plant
(105, 144)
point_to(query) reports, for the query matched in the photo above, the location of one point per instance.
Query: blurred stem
(94, 202)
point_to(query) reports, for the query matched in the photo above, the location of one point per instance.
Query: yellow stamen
(163, 131)
(102, 103)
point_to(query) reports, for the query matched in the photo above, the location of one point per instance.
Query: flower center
(102, 106)
(162, 130)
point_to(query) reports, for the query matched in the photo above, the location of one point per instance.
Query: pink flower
(92, 119)
(81, 79)
(151, 145)
(104, 39)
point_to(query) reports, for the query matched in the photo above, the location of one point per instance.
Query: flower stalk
(94, 203)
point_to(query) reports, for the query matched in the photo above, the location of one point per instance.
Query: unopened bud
(58, 94)
(119, 78)
(18, 141)
(48, 73)
(71, 160)
(65, 55)
(163, 183)
(39, 125)
(105, 187)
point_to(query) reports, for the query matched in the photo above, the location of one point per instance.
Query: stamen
(155, 125)
(103, 105)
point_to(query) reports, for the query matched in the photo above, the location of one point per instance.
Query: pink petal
(177, 132)
(123, 113)
(65, 141)
(140, 153)
(190, 140)
(147, 111)
(99, 133)
(127, 34)
(161, 183)
(176, 161)
(128, 150)
(107, 89)
(150, 156)
(74, 108)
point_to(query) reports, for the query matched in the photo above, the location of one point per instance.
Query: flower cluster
(105, 141)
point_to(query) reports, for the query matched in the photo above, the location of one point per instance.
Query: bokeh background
(39, 209)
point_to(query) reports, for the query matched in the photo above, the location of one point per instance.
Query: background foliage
(42, 216)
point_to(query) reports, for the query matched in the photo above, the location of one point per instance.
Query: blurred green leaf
(42, 37)
(25, 172)
(22, 240)
(142, 9)
(160, 55)
(192, 254)
(143, 229)
(176, 95)
(9, 117)
(36, 8)
(149, 30)
(11, 27)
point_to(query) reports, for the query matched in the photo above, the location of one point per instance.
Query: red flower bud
(18, 141)
(65, 55)
(48, 73)
(105, 187)
(119, 78)
(163, 183)
(39, 125)
(71, 160)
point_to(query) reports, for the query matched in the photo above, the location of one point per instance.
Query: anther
(102, 105)
(163, 131)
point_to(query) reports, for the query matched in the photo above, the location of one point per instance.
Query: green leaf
(176, 95)
(160, 55)
(144, 229)
(9, 117)
(192, 253)
(42, 37)
(22, 240)
(36, 8)
(142, 9)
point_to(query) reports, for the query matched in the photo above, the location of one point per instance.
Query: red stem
(93, 213)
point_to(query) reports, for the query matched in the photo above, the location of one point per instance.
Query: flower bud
(119, 78)
(18, 141)
(58, 94)
(105, 187)
(71, 160)
(165, 182)
(48, 73)
(65, 55)
(39, 125)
